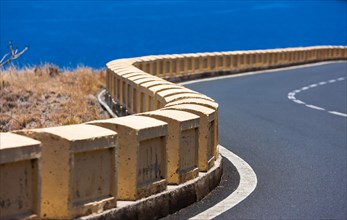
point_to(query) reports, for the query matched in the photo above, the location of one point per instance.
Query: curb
(168, 202)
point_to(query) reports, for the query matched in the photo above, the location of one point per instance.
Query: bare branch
(20, 53)
(14, 54)
(3, 58)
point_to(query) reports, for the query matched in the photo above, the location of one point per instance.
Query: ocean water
(91, 33)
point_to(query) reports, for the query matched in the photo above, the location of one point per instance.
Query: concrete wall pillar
(183, 144)
(78, 170)
(208, 139)
(142, 157)
(20, 169)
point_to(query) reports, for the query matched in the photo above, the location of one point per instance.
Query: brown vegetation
(44, 97)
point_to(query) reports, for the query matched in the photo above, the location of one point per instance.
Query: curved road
(290, 126)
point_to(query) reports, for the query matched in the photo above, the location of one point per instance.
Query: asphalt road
(298, 151)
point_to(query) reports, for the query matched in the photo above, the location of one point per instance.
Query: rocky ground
(46, 96)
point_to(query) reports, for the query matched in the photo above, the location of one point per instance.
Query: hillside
(45, 96)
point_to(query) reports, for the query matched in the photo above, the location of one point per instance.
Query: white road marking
(291, 96)
(298, 101)
(248, 177)
(315, 107)
(248, 183)
(338, 113)
(260, 72)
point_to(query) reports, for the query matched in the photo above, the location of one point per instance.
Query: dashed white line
(248, 183)
(315, 107)
(338, 113)
(291, 96)
(298, 101)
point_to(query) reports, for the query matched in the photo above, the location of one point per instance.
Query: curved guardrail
(170, 135)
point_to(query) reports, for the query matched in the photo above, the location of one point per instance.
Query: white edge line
(338, 113)
(248, 183)
(259, 72)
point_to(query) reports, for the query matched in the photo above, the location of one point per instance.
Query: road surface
(290, 126)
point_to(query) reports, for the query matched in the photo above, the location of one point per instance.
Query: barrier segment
(183, 144)
(79, 172)
(142, 158)
(146, 95)
(154, 90)
(176, 97)
(19, 177)
(202, 102)
(208, 139)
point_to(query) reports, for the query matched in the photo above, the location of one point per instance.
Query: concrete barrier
(208, 139)
(183, 144)
(142, 157)
(79, 172)
(19, 177)
(139, 96)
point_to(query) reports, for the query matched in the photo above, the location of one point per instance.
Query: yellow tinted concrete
(203, 102)
(127, 88)
(180, 96)
(146, 97)
(78, 170)
(16, 147)
(138, 94)
(208, 139)
(153, 91)
(142, 158)
(183, 144)
(160, 97)
(19, 177)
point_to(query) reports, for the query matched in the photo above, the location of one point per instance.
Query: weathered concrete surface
(208, 139)
(79, 170)
(142, 158)
(167, 202)
(19, 176)
(183, 144)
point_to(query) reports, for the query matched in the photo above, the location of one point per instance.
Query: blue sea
(91, 33)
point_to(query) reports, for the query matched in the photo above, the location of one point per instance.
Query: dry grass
(44, 97)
